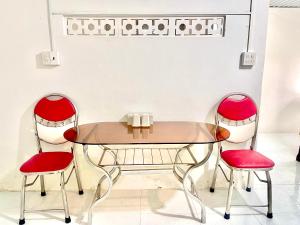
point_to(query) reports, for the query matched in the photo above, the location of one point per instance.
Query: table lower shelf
(146, 157)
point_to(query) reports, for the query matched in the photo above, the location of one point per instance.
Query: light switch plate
(248, 59)
(50, 58)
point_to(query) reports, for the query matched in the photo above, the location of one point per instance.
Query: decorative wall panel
(158, 26)
(90, 26)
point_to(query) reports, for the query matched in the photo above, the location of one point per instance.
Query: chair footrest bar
(33, 182)
(70, 175)
(261, 180)
(250, 205)
(42, 210)
(223, 172)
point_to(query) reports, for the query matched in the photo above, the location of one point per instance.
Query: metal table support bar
(135, 159)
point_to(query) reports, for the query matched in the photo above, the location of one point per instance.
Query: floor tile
(281, 219)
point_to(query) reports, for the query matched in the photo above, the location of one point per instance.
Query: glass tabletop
(114, 133)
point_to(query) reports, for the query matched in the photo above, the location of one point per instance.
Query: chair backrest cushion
(238, 114)
(234, 108)
(53, 115)
(55, 108)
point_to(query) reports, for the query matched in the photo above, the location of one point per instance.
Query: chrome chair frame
(233, 169)
(113, 171)
(41, 175)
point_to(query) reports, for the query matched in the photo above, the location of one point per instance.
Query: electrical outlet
(50, 58)
(248, 58)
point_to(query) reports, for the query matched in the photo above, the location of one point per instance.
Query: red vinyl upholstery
(47, 162)
(55, 110)
(246, 159)
(70, 134)
(237, 109)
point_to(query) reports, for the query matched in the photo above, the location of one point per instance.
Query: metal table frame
(112, 171)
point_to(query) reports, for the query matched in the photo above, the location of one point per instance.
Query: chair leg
(43, 192)
(80, 190)
(64, 198)
(249, 181)
(269, 183)
(228, 203)
(22, 208)
(213, 184)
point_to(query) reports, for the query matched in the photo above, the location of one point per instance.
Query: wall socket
(50, 58)
(248, 59)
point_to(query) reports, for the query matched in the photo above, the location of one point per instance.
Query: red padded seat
(246, 159)
(47, 162)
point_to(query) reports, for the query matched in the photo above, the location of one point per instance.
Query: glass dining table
(162, 146)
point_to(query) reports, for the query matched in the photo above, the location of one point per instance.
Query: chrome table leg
(101, 171)
(196, 195)
(193, 192)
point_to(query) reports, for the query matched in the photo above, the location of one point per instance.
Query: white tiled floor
(169, 206)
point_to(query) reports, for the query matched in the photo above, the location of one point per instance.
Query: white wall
(175, 78)
(280, 102)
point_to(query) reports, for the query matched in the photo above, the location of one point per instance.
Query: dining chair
(238, 113)
(53, 114)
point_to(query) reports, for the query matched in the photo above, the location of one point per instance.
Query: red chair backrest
(55, 108)
(237, 112)
(53, 115)
(233, 108)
